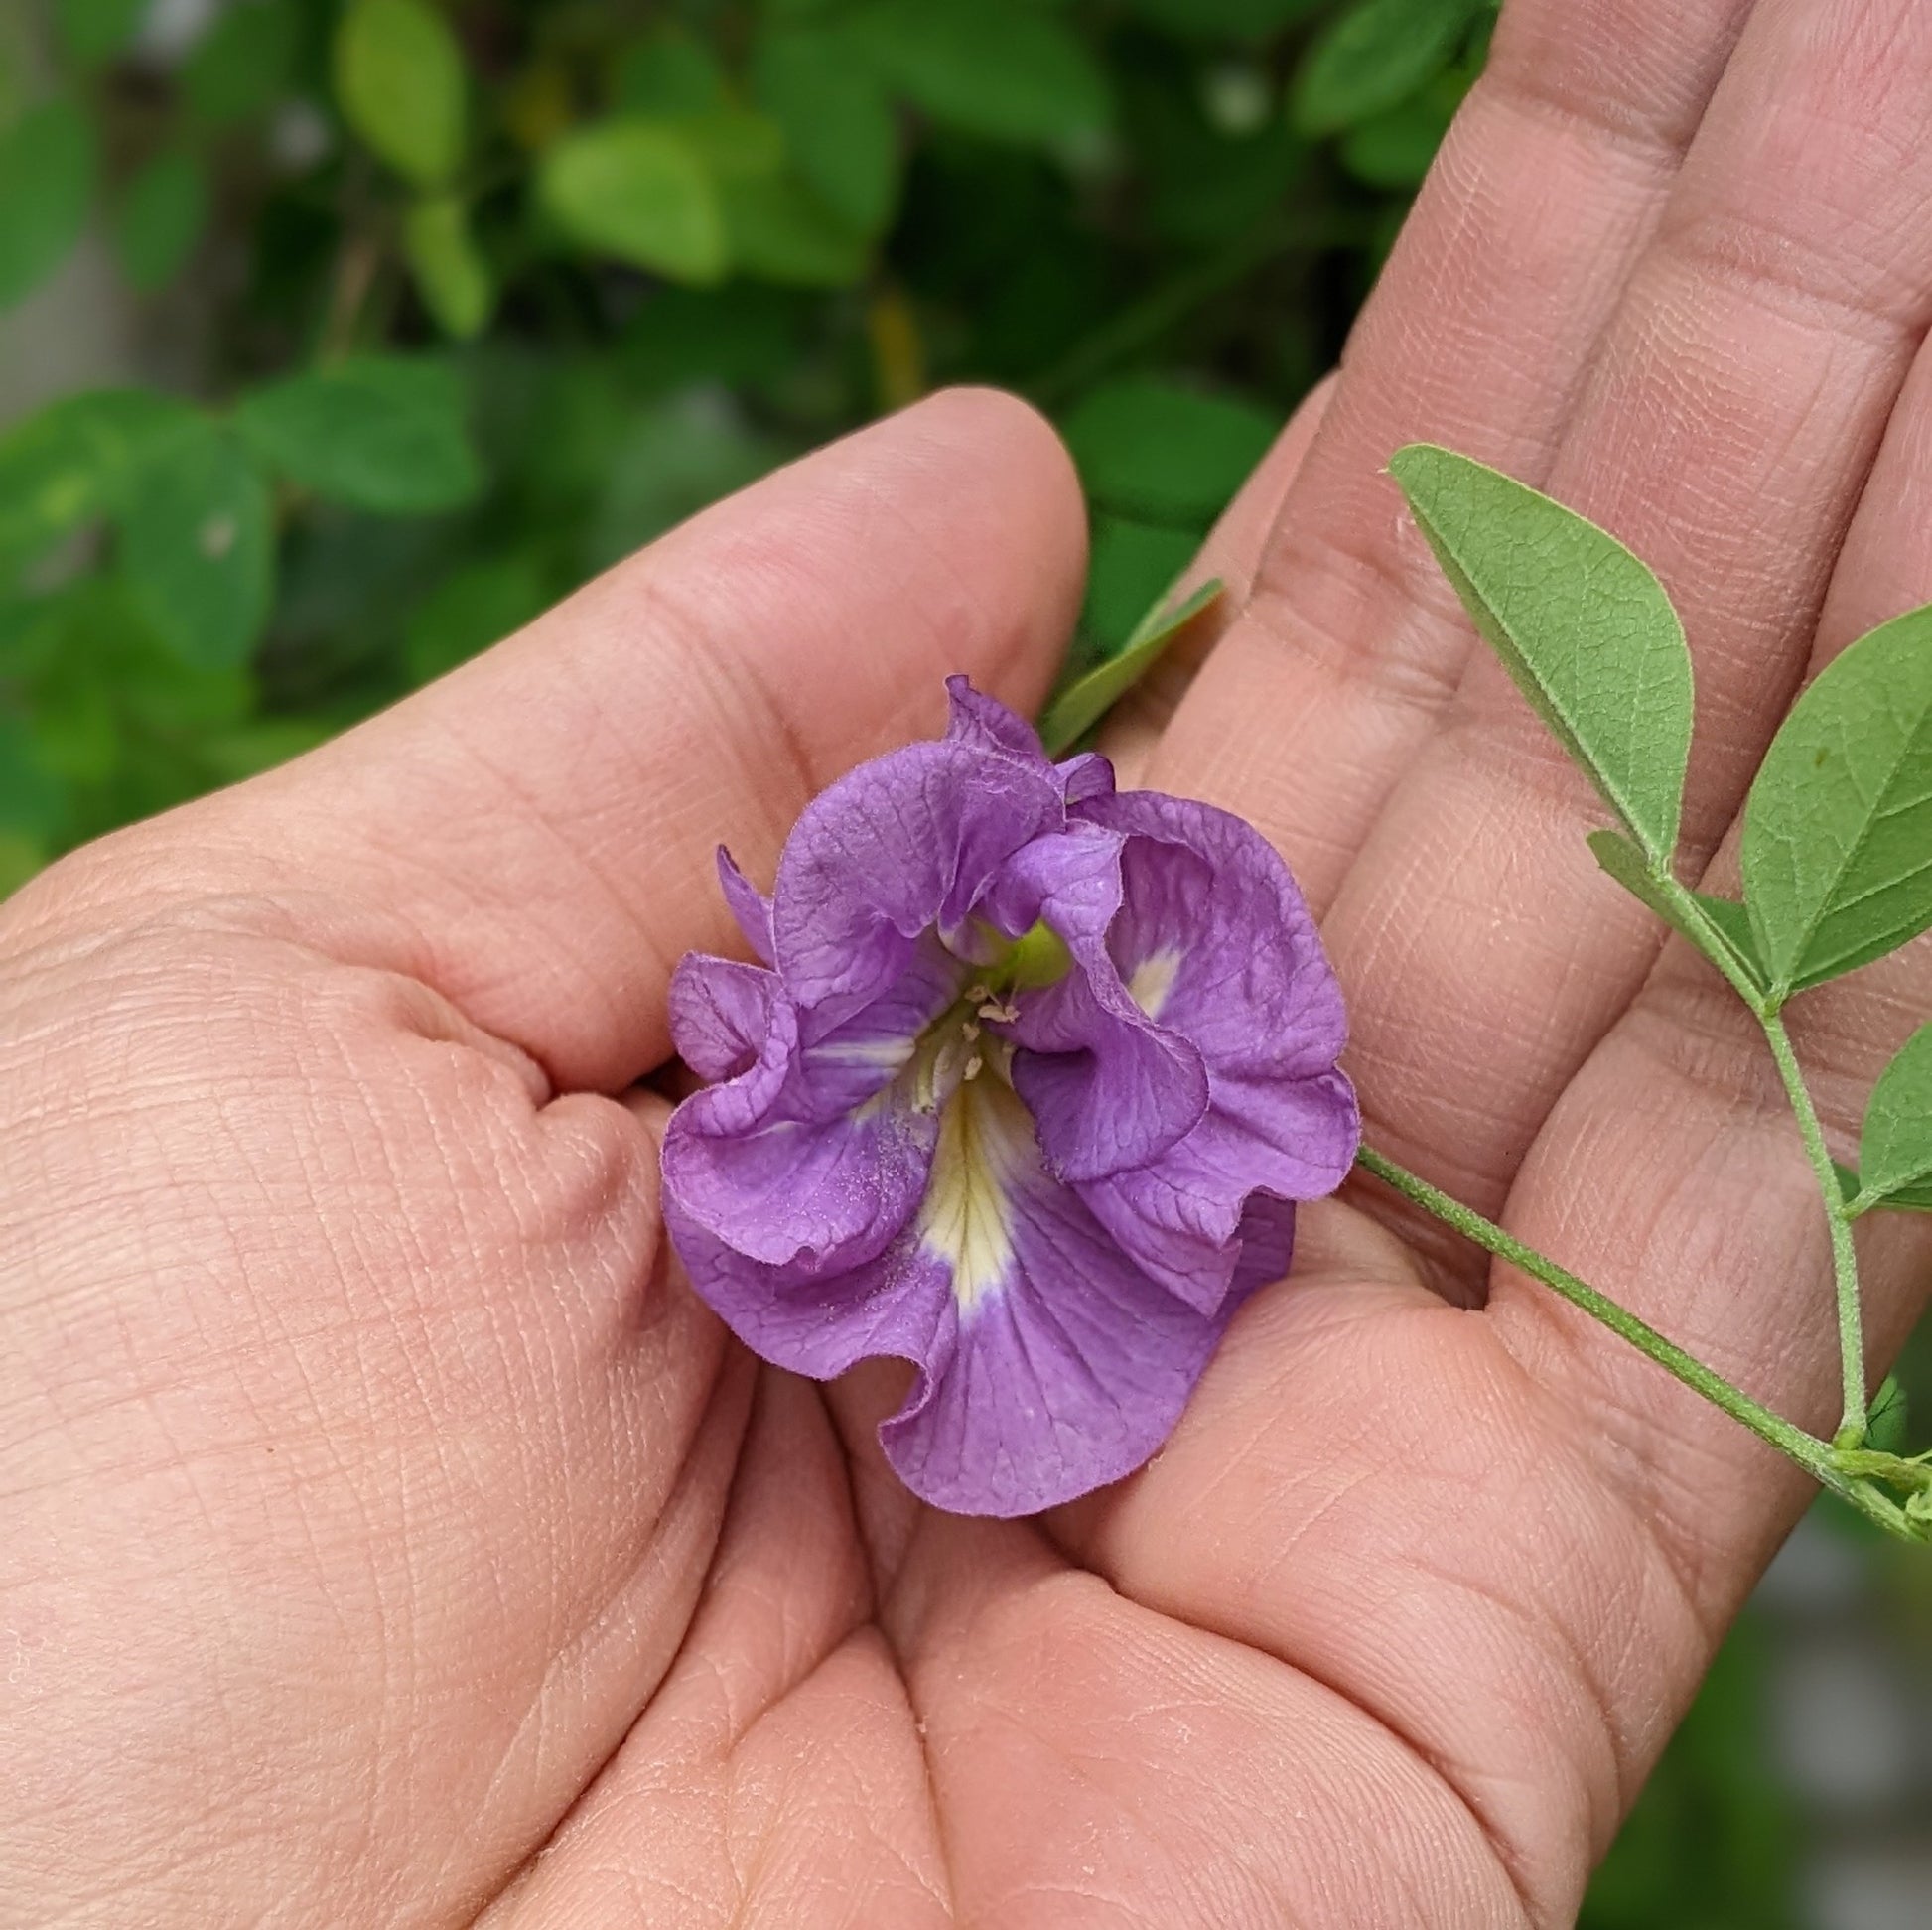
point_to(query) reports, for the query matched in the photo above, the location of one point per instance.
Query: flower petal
(1110, 1089)
(904, 843)
(1186, 1217)
(1057, 1364)
(748, 905)
(764, 1169)
(1216, 940)
(976, 719)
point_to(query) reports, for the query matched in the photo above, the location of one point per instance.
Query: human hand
(384, 1510)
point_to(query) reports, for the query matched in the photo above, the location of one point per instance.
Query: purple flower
(1023, 1093)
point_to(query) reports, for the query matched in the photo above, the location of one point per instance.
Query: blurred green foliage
(474, 297)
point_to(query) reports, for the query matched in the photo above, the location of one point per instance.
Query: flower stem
(1844, 1259)
(1811, 1454)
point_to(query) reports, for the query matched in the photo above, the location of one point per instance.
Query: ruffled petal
(1056, 1365)
(1215, 940)
(1186, 1216)
(1109, 1088)
(756, 1162)
(903, 844)
(844, 1065)
(974, 718)
(748, 905)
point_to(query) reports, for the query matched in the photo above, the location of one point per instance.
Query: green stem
(1837, 1217)
(1811, 1454)
(1844, 1259)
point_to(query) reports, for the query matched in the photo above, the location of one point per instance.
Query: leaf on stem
(1723, 923)
(1583, 629)
(399, 79)
(640, 191)
(46, 178)
(1837, 830)
(1079, 707)
(1895, 1147)
(379, 432)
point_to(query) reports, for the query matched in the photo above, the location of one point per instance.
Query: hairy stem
(1811, 1454)
(1844, 1259)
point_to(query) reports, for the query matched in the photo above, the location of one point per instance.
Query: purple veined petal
(1187, 1217)
(901, 845)
(1060, 1365)
(770, 1175)
(1109, 1088)
(1085, 777)
(729, 1021)
(748, 905)
(985, 723)
(845, 1065)
(898, 1303)
(1215, 940)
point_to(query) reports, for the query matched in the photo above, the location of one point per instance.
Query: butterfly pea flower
(1023, 1091)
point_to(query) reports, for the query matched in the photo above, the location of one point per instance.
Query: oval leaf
(399, 79)
(997, 68)
(159, 219)
(1078, 708)
(1376, 54)
(639, 190)
(450, 272)
(1837, 830)
(380, 432)
(197, 546)
(1895, 1147)
(839, 128)
(46, 178)
(1584, 627)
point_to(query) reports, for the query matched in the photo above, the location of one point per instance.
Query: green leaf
(1395, 148)
(1583, 629)
(1078, 708)
(996, 67)
(1376, 54)
(447, 267)
(33, 800)
(97, 30)
(385, 433)
(1837, 830)
(477, 605)
(839, 128)
(1625, 862)
(161, 218)
(1157, 452)
(240, 65)
(197, 546)
(1223, 19)
(639, 190)
(1895, 1147)
(46, 179)
(65, 465)
(1887, 1428)
(781, 232)
(670, 72)
(399, 79)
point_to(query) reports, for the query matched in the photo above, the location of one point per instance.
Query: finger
(1481, 334)
(534, 835)
(1726, 434)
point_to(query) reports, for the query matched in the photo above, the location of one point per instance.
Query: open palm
(392, 1539)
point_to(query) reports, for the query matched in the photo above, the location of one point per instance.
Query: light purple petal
(903, 844)
(985, 723)
(1061, 1370)
(1211, 920)
(1186, 1215)
(728, 1019)
(748, 905)
(1109, 1088)
(1085, 777)
(761, 1166)
(844, 1065)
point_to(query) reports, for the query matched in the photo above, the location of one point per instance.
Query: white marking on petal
(986, 1142)
(1153, 979)
(888, 1054)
